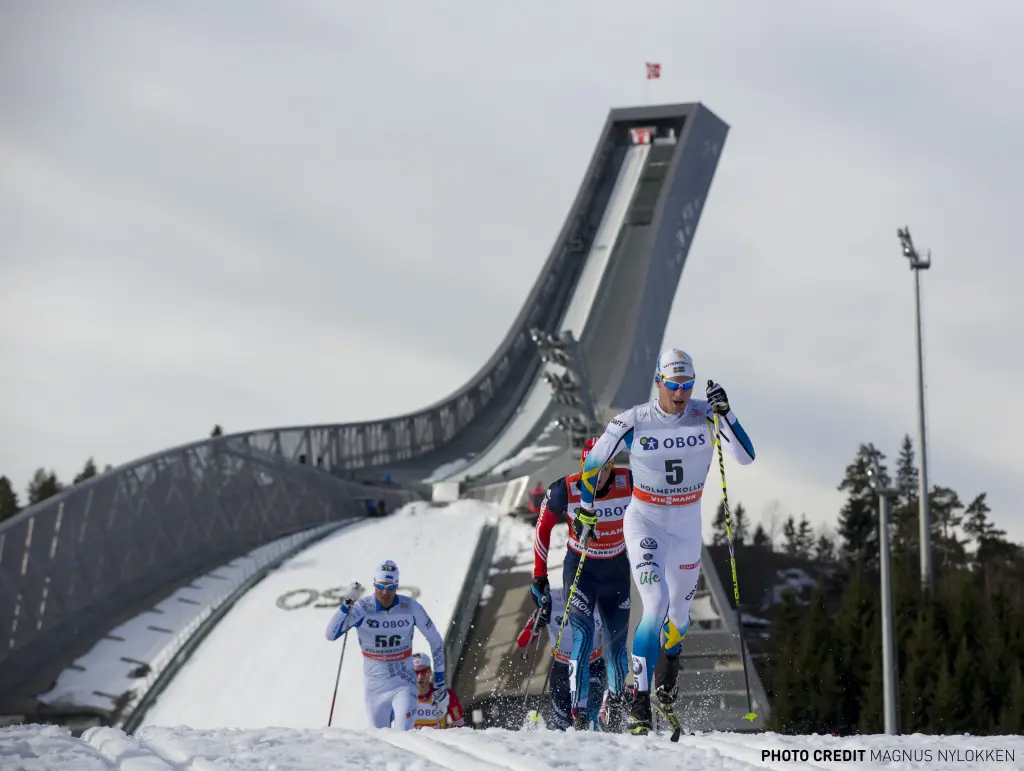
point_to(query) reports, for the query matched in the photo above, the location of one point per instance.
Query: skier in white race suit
(671, 444)
(384, 623)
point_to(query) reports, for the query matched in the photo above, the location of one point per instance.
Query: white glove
(352, 593)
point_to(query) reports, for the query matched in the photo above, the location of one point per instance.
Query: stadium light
(917, 264)
(885, 493)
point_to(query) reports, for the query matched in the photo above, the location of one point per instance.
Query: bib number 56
(674, 472)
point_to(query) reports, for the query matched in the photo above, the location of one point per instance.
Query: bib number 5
(674, 472)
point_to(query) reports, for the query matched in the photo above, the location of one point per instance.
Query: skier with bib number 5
(671, 441)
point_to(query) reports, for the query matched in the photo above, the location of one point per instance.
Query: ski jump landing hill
(184, 533)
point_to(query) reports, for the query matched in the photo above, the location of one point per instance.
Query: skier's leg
(646, 544)
(403, 702)
(378, 705)
(682, 575)
(613, 605)
(560, 699)
(598, 683)
(581, 623)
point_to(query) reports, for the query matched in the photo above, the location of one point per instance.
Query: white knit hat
(675, 363)
(421, 661)
(387, 573)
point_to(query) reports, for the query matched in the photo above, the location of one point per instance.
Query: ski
(669, 716)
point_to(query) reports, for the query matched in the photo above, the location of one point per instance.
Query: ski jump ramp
(76, 565)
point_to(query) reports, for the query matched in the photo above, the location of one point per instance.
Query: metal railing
(166, 664)
(93, 553)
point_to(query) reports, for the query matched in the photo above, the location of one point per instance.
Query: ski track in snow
(34, 748)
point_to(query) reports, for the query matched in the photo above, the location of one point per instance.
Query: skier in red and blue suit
(603, 584)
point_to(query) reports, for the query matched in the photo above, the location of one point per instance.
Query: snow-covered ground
(34, 748)
(267, 663)
(515, 541)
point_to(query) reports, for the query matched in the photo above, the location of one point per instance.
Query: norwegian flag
(653, 70)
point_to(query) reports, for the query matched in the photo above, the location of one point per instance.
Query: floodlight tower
(885, 493)
(917, 264)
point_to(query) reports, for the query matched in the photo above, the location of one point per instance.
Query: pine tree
(87, 472)
(905, 510)
(907, 478)
(947, 517)
(761, 538)
(824, 548)
(858, 520)
(991, 547)
(217, 431)
(940, 710)
(739, 525)
(42, 486)
(1011, 716)
(924, 656)
(790, 545)
(817, 665)
(804, 538)
(719, 536)
(964, 678)
(858, 643)
(8, 499)
(782, 680)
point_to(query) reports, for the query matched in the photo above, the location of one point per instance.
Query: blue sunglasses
(671, 385)
(386, 587)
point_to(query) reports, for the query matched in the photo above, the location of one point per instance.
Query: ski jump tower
(582, 347)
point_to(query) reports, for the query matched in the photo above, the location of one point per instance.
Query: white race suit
(385, 636)
(670, 456)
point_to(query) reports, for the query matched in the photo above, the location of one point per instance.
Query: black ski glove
(542, 596)
(717, 399)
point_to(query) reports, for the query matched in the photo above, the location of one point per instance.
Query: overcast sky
(245, 213)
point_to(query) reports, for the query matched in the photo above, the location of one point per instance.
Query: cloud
(209, 216)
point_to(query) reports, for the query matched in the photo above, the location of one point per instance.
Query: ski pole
(732, 562)
(568, 603)
(533, 664)
(337, 677)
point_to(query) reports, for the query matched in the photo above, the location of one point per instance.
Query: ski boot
(665, 675)
(617, 711)
(579, 719)
(640, 720)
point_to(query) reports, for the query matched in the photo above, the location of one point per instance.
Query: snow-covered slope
(33, 748)
(267, 663)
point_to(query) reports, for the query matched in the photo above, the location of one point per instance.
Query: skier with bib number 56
(384, 623)
(671, 441)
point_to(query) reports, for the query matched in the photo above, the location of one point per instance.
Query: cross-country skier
(603, 583)
(561, 694)
(671, 444)
(385, 624)
(427, 714)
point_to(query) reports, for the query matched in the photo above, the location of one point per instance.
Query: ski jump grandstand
(183, 533)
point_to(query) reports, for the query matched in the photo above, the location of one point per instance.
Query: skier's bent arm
(619, 433)
(426, 626)
(344, 618)
(739, 443)
(556, 501)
